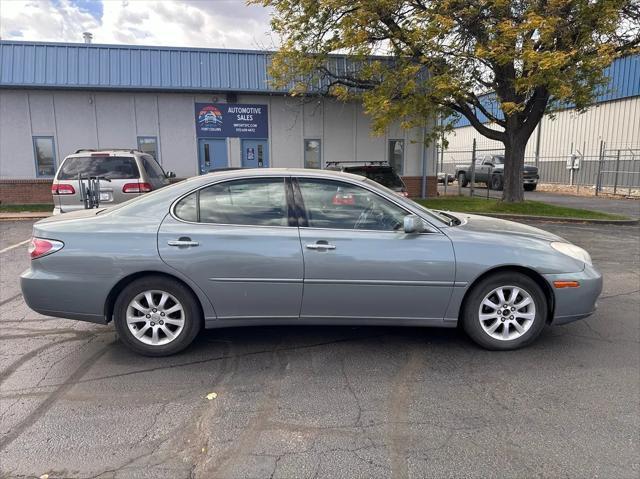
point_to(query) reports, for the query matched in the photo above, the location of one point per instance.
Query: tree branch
(463, 109)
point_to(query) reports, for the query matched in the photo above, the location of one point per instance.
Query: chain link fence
(612, 170)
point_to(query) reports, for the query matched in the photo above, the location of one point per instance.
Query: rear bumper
(63, 297)
(572, 304)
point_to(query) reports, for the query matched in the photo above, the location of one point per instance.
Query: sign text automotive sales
(222, 120)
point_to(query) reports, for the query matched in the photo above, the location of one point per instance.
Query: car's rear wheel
(156, 316)
(505, 311)
(496, 182)
(530, 187)
(462, 180)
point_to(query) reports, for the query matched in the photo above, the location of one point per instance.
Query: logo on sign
(210, 118)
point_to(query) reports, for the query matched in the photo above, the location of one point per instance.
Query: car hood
(486, 224)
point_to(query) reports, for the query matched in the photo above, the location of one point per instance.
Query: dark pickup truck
(490, 170)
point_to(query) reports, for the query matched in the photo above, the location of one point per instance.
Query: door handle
(320, 246)
(182, 242)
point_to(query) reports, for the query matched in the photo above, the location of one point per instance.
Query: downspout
(423, 193)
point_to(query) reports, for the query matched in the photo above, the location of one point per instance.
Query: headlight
(573, 251)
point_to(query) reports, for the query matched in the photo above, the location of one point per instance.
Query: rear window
(383, 175)
(111, 167)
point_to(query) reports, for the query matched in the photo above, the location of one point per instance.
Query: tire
(178, 313)
(530, 187)
(530, 318)
(496, 183)
(462, 179)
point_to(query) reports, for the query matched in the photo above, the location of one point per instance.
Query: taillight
(40, 247)
(61, 189)
(137, 188)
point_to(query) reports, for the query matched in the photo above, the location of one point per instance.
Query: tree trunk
(513, 191)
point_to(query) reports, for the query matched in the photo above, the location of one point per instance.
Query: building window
(396, 155)
(312, 154)
(45, 154)
(149, 145)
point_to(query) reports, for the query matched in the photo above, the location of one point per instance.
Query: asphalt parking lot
(326, 401)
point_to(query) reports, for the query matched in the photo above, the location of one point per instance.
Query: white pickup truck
(490, 170)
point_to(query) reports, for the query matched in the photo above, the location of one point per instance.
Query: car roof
(261, 172)
(83, 152)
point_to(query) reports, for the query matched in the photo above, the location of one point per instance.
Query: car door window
(258, 202)
(338, 205)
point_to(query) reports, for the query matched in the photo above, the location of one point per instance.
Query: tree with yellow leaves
(413, 60)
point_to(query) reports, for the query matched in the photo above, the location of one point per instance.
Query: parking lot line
(9, 248)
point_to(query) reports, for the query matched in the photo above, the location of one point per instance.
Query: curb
(24, 216)
(558, 219)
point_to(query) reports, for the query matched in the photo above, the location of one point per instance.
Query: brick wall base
(414, 185)
(39, 191)
(25, 192)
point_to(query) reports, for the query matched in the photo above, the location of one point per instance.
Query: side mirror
(171, 174)
(413, 224)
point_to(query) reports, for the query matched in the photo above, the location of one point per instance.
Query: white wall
(615, 122)
(85, 119)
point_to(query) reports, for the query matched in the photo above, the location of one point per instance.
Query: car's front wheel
(156, 316)
(505, 311)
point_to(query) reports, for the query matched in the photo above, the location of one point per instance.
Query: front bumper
(572, 304)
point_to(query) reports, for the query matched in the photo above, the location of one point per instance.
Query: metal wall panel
(116, 67)
(615, 122)
(624, 82)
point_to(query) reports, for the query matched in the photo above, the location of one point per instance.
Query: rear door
(360, 264)
(236, 240)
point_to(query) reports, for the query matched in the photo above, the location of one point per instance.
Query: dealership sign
(222, 120)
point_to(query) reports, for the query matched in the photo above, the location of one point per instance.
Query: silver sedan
(292, 247)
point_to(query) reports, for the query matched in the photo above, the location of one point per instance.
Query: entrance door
(212, 154)
(255, 154)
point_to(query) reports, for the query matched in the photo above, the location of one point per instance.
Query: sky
(182, 23)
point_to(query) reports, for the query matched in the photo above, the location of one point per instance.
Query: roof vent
(88, 36)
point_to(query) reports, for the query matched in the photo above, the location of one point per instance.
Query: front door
(255, 153)
(234, 240)
(359, 263)
(212, 154)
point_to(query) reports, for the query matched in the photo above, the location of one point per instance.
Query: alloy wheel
(155, 317)
(507, 313)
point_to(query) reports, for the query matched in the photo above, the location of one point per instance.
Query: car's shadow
(366, 344)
